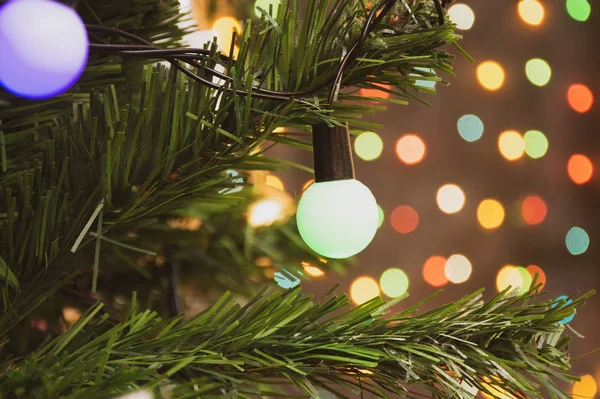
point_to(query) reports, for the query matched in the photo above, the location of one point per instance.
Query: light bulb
(43, 48)
(338, 218)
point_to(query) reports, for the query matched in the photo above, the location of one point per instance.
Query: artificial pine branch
(510, 344)
(136, 153)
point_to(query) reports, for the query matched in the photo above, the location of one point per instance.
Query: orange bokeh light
(434, 271)
(580, 98)
(533, 210)
(375, 92)
(410, 149)
(580, 169)
(541, 276)
(404, 219)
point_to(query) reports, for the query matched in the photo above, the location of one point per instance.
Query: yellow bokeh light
(363, 289)
(312, 270)
(531, 12)
(224, 28)
(490, 75)
(275, 182)
(458, 269)
(265, 212)
(450, 198)
(490, 214)
(518, 278)
(586, 388)
(511, 145)
(462, 15)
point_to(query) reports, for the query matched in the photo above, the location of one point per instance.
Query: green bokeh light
(265, 4)
(368, 146)
(577, 241)
(394, 282)
(337, 219)
(470, 128)
(526, 280)
(579, 10)
(381, 215)
(536, 144)
(538, 71)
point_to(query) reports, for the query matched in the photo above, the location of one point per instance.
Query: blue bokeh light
(470, 127)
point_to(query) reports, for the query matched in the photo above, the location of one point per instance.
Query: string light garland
(337, 216)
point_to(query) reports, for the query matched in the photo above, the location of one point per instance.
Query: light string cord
(192, 55)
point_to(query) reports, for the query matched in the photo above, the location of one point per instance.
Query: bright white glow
(265, 212)
(450, 198)
(462, 15)
(458, 269)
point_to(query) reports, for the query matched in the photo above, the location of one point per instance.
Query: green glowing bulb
(337, 219)
(538, 71)
(536, 144)
(394, 282)
(368, 146)
(579, 10)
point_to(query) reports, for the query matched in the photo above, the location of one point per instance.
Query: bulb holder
(332, 153)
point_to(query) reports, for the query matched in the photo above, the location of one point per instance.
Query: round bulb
(337, 219)
(43, 48)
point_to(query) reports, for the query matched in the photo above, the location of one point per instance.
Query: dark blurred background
(530, 185)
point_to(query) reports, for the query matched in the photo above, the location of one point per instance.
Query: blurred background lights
(579, 10)
(363, 289)
(515, 277)
(565, 301)
(410, 149)
(450, 198)
(275, 182)
(394, 282)
(458, 269)
(580, 98)
(511, 145)
(434, 272)
(224, 28)
(312, 270)
(577, 241)
(531, 12)
(533, 210)
(368, 146)
(462, 15)
(490, 75)
(538, 71)
(265, 212)
(585, 388)
(404, 219)
(470, 127)
(536, 144)
(538, 274)
(265, 5)
(429, 84)
(580, 169)
(376, 92)
(490, 214)
(381, 215)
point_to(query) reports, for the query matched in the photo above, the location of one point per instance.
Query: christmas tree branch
(509, 344)
(160, 142)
